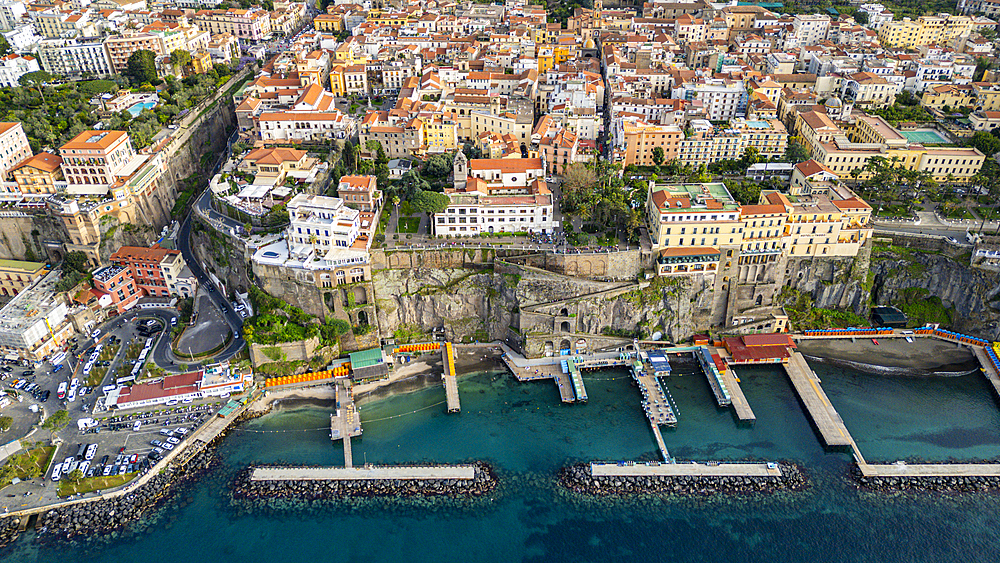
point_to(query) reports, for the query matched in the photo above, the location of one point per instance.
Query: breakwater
(107, 515)
(580, 479)
(927, 483)
(244, 487)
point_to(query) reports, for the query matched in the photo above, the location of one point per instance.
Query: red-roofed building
(218, 380)
(759, 348)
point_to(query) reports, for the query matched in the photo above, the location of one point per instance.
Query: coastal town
(208, 209)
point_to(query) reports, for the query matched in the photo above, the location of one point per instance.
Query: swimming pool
(137, 108)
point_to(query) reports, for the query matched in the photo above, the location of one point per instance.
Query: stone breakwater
(104, 516)
(484, 482)
(579, 479)
(955, 484)
(8, 531)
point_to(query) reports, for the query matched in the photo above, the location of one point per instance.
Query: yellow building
(201, 61)
(987, 95)
(338, 84)
(951, 95)
(440, 134)
(831, 224)
(928, 30)
(16, 275)
(329, 22)
(38, 174)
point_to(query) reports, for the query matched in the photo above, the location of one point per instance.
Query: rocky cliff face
(969, 292)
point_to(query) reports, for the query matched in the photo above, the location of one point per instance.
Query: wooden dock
(345, 423)
(991, 373)
(739, 401)
(930, 470)
(660, 443)
(565, 383)
(831, 427)
(366, 473)
(693, 469)
(655, 402)
(450, 378)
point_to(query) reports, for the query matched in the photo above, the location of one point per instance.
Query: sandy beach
(923, 355)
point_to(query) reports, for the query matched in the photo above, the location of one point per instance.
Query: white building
(218, 380)
(877, 15)
(22, 37)
(35, 323)
(299, 126)
(321, 226)
(11, 12)
(14, 146)
(810, 29)
(12, 67)
(71, 58)
(497, 196)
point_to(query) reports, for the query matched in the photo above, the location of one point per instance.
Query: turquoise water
(137, 108)
(529, 435)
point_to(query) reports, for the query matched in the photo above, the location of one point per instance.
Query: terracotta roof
(94, 140)
(772, 209)
(811, 167)
(42, 161)
(506, 165)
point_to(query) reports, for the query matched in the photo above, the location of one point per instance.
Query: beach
(922, 356)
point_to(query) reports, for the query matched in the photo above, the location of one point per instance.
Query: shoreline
(922, 357)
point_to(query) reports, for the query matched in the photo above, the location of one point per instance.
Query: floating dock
(739, 401)
(637, 469)
(989, 368)
(450, 378)
(831, 427)
(715, 381)
(366, 473)
(655, 402)
(345, 423)
(578, 388)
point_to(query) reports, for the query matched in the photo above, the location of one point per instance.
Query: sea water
(525, 431)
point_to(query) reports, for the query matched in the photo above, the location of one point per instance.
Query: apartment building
(832, 224)
(321, 225)
(35, 323)
(304, 126)
(114, 285)
(360, 192)
(952, 95)
(16, 275)
(636, 140)
(155, 271)
(930, 29)
(14, 147)
(691, 225)
(253, 25)
(38, 174)
(810, 29)
(75, 58)
(96, 157)
(497, 196)
(120, 48)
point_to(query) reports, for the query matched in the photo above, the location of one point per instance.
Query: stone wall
(291, 351)
(626, 265)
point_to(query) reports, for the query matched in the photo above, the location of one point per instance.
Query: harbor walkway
(345, 423)
(366, 473)
(685, 469)
(450, 378)
(900, 469)
(988, 368)
(739, 400)
(831, 427)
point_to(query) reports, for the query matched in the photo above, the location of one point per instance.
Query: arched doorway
(564, 345)
(564, 326)
(564, 312)
(362, 318)
(360, 295)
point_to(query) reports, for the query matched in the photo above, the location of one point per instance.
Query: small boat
(875, 341)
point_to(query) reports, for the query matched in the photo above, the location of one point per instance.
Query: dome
(834, 103)
(589, 43)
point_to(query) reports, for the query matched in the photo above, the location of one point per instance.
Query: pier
(366, 473)
(900, 469)
(345, 423)
(739, 401)
(450, 378)
(694, 469)
(715, 381)
(831, 427)
(575, 376)
(989, 368)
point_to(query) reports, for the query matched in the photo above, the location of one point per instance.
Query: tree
(429, 202)
(180, 57)
(57, 421)
(796, 152)
(439, 165)
(4, 47)
(141, 67)
(658, 156)
(77, 261)
(36, 80)
(906, 98)
(578, 176)
(75, 476)
(861, 18)
(985, 142)
(5, 423)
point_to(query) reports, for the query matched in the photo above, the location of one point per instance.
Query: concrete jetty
(739, 400)
(366, 473)
(988, 368)
(450, 378)
(831, 427)
(345, 423)
(695, 469)
(901, 469)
